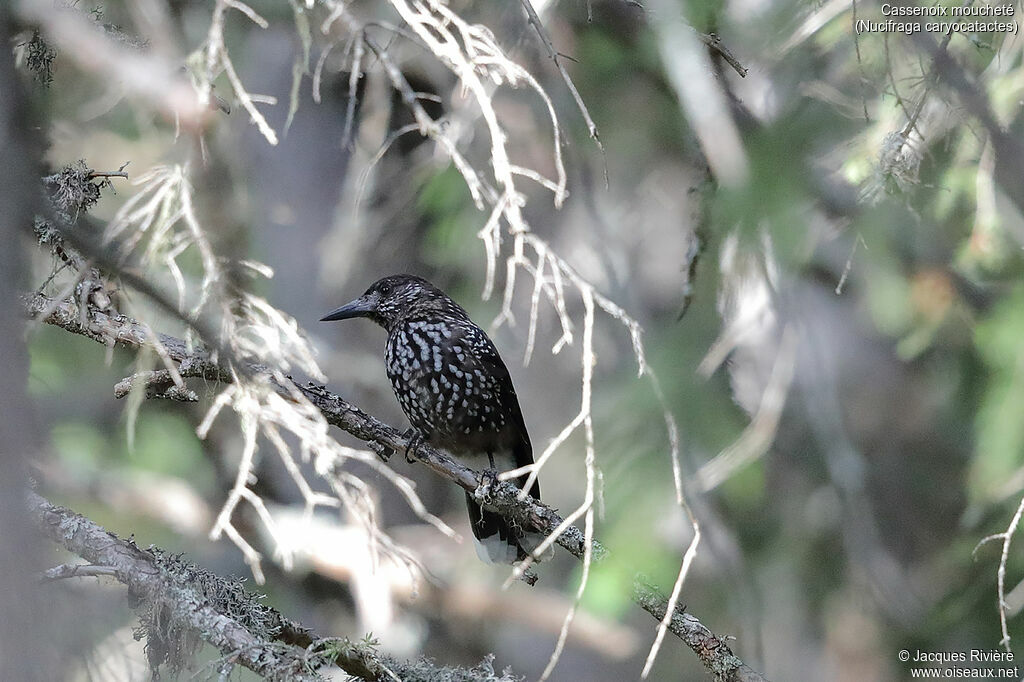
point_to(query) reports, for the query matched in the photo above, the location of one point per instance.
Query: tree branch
(187, 602)
(150, 577)
(712, 650)
(502, 497)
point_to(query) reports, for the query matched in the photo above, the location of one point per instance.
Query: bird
(456, 392)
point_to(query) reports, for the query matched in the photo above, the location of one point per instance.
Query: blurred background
(824, 255)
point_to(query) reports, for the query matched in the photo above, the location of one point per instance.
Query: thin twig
(77, 571)
(157, 384)
(1005, 538)
(531, 15)
(109, 174)
(713, 41)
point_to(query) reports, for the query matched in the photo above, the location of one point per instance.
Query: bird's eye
(385, 289)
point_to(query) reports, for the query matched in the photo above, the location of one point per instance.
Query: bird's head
(387, 300)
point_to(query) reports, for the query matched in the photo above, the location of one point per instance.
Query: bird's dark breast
(452, 385)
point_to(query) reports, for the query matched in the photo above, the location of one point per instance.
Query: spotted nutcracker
(455, 390)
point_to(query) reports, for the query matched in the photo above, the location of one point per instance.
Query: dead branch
(714, 42)
(1005, 539)
(147, 577)
(219, 611)
(712, 650)
(499, 496)
(157, 384)
(531, 16)
(65, 571)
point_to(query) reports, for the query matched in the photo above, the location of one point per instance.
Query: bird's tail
(496, 541)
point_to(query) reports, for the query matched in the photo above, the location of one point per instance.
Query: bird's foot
(412, 447)
(488, 477)
(528, 577)
(383, 451)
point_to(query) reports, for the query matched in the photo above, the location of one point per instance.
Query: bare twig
(157, 384)
(109, 174)
(858, 240)
(531, 15)
(1005, 539)
(713, 41)
(217, 57)
(892, 78)
(77, 571)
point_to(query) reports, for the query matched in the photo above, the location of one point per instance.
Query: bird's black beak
(361, 307)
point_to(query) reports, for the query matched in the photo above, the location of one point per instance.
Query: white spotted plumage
(455, 390)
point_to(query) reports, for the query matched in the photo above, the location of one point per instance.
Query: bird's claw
(383, 451)
(488, 477)
(412, 446)
(529, 577)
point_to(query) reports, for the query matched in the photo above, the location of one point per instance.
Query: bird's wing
(486, 355)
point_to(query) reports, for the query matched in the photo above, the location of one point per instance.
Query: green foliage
(81, 446)
(655, 131)
(165, 443)
(1000, 446)
(447, 208)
